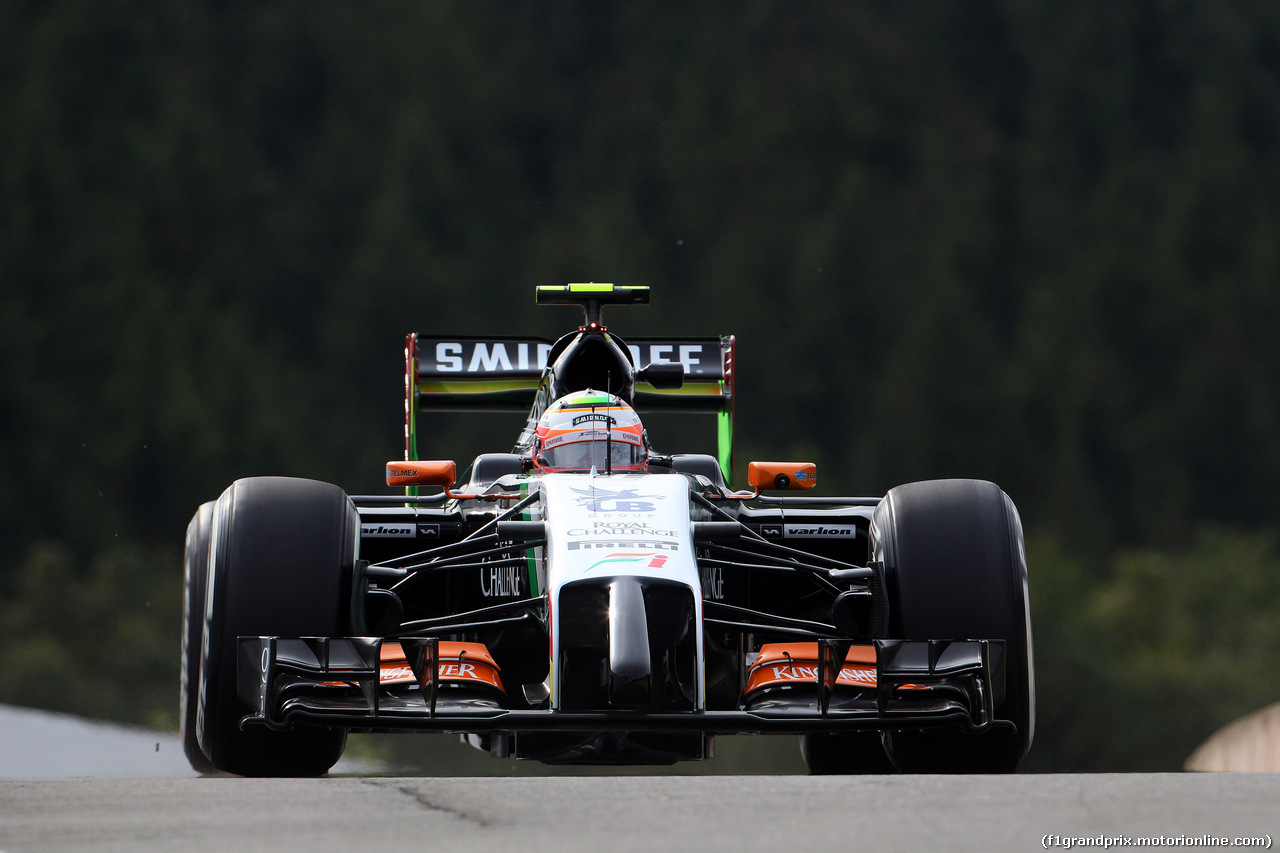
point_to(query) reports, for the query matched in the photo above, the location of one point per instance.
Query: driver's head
(581, 430)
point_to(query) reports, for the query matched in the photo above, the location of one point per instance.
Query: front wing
(344, 682)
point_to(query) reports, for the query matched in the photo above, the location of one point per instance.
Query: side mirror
(664, 377)
(782, 476)
(441, 474)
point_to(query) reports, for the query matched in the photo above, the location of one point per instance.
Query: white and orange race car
(585, 599)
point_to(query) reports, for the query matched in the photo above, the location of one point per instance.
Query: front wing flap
(342, 682)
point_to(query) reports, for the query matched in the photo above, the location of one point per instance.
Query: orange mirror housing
(782, 476)
(421, 473)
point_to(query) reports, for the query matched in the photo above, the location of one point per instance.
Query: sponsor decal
(457, 670)
(446, 670)
(849, 675)
(650, 544)
(780, 664)
(429, 530)
(401, 472)
(483, 357)
(501, 582)
(627, 500)
(774, 530)
(619, 528)
(388, 531)
(820, 531)
(652, 561)
(457, 662)
(696, 359)
(594, 418)
(528, 357)
(794, 672)
(584, 435)
(713, 583)
(858, 675)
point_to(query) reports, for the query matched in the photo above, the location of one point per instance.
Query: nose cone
(630, 665)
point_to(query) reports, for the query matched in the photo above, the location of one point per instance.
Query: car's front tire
(281, 560)
(954, 568)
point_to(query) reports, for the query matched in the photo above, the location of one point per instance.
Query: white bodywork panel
(624, 524)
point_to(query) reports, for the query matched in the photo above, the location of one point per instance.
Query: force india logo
(635, 561)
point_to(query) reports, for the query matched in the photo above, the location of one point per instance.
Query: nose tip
(630, 664)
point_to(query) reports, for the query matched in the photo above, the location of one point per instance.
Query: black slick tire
(954, 568)
(280, 565)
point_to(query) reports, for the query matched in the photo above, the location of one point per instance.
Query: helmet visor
(583, 455)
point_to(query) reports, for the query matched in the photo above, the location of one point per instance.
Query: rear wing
(506, 374)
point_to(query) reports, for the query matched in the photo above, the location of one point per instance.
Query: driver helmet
(578, 431)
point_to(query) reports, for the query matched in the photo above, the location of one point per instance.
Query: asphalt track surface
(633, 813)
(70, 784)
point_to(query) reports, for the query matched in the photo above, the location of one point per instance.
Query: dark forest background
(1032, 242)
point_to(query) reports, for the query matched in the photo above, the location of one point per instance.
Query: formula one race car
(585, 599)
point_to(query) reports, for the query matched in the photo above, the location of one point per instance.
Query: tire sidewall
(195, 565)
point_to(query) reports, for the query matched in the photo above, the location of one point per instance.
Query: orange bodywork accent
(792, 663)
(782, 476)
(421, 473)
(460, 663)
